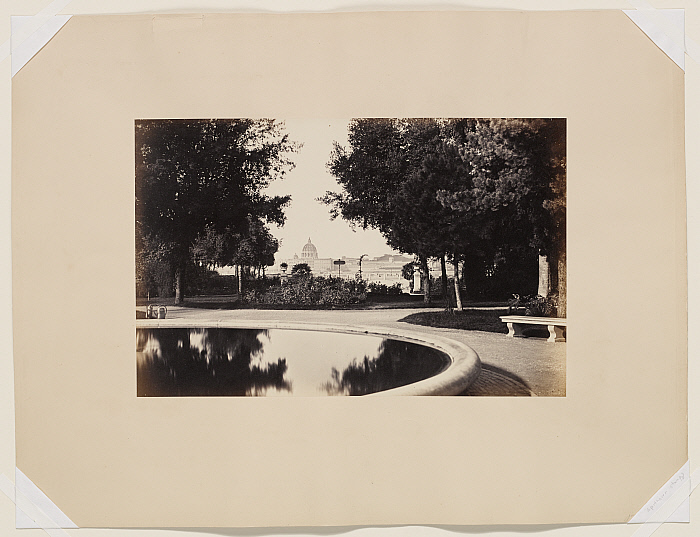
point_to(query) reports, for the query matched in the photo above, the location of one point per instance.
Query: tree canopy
(516, 192)
(383, 187)
(454, 188)
(301, 269)
(200, 190)
(514, 178)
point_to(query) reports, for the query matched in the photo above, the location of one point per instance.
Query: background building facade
(385, 269)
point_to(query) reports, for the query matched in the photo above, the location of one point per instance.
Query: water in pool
(244, 362)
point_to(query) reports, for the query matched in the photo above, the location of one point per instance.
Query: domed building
(309, 255)
(385, 269)
(309, 251)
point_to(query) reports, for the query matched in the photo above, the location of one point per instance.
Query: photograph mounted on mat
(394, 227)
(471, 214)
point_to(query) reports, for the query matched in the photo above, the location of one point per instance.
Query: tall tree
(517, 186)
(204, 180)
(369, 171)
(447, 230)
(255, 249)
(468, 189)
(384, 187)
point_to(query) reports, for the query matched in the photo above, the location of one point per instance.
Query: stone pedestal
(417, 287)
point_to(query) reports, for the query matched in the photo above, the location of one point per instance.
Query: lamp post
(339, 263)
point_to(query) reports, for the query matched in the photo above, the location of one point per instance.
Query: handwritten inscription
(661, 498)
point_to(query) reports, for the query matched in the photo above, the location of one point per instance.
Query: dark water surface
(244, 362)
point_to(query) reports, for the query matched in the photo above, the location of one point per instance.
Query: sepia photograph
(337, 254)
(369, 256)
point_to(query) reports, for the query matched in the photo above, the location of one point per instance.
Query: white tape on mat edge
(692, 49)
(49, 11)
(670, 505)
(27, 41)
(34, 494)
(668, 36)
(649, 510)
(29, 510)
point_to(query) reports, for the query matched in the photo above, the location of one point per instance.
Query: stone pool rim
(463, 370)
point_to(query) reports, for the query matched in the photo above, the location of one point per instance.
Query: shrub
(377, 288)
(301, 269)
(395, 289)
(536, 306)
(202, 281)
(307, 290)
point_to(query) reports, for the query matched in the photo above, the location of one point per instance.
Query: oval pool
(242, 361)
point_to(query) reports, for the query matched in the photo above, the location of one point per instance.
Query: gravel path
(508, 362)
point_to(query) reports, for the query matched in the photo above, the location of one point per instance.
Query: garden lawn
(484, 320)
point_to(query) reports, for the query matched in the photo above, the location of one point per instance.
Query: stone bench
(518, 323)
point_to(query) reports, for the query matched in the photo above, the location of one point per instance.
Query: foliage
(407, 272)
(516, 171)
(398, 363)
(206, 361)
(535, 305)
(390, 176)
(409, 269)
(301, 269)
(263, 284)
(209, 247)
(485, 190)
(154, 276)
(383, 289)
(383, 187)
(200, 280)
(257, 247)
(209, 282)
(509, 270)
(516, 198)
(200, 190)
(540, 306)
(307, 290)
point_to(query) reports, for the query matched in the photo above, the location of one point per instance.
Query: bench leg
(556, 333)
(515, 330)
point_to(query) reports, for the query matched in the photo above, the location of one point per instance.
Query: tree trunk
(545, 284)
(458, 298)
(443, 267)
(179, 294)
(239, 269)
(561, 283)
(426, 280)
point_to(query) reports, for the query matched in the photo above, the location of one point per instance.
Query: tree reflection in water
(205, 361)
(399, 363)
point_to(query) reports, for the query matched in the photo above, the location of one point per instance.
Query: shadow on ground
(494, 381)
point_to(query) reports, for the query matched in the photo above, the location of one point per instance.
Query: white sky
(308, 218)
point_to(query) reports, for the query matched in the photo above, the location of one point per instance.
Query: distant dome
(309, 251)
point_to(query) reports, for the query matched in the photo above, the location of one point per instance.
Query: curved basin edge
(463, 370)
